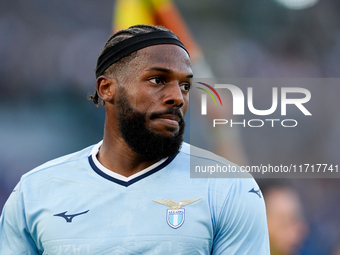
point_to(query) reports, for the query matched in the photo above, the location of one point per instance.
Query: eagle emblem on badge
(175, 215)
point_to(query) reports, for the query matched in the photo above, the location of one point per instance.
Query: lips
(169, 120)
(170, 117)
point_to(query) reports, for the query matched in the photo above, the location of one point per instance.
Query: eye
(185, 87)
(157, 80)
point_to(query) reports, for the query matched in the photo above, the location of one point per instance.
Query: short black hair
(119, 37)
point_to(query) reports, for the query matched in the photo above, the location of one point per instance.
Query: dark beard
(149, 145)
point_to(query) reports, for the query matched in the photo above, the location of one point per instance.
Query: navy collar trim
(128, 183)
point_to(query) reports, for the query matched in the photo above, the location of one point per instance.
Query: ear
(106, 88)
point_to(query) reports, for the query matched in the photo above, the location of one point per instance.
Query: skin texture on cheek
(132, 85)
(138, 98)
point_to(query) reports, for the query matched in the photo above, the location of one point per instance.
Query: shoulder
(59, 165)
(195, 152)
(236, 203)
(225, 179)
(205, 164)
(226, 182)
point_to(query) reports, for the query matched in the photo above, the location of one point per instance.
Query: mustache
(172, 111)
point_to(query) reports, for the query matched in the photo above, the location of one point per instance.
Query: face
(152, 99)
(286, 225)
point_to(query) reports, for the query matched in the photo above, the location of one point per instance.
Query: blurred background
(48, 52)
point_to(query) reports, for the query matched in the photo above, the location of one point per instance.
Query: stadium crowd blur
(48, 51)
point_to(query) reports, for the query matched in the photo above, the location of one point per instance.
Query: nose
(174, 96)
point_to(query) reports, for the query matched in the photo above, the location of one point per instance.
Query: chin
(167, 132)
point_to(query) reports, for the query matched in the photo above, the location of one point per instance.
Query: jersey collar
(120, 179)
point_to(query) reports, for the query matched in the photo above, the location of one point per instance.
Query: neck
(117, 156)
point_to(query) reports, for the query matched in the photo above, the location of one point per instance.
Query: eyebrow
(165, 70)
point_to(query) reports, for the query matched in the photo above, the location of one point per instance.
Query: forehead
(171, 57)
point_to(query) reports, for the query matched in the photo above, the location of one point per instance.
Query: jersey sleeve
(14, 235)
(241, 225)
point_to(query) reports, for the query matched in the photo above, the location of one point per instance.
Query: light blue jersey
(74, 205)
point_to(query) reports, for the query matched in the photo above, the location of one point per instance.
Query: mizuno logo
(257, 192)
(69, 217)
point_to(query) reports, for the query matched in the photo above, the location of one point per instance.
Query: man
(131, 193)
(224, 142)
(286, 224)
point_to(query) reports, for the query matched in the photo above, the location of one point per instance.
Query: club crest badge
(175, 215)
(175, 218)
